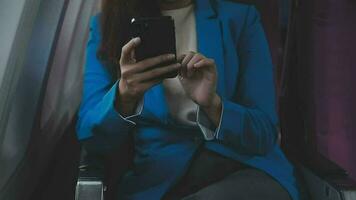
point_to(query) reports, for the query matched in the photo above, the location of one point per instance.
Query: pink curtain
(319, 81)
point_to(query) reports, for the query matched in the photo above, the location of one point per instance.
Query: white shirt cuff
(138, 112)
(208, 129)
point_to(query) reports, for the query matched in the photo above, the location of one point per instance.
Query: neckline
(188, 7)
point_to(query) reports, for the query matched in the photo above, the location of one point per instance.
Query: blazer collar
(205, 8)
(210, 37)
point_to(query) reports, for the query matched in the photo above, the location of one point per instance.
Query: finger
(157, 72)
(190, 65)
(146, 64)
(187, 58)
(185, 61)
(180, 60)
(133, 56)
(128, 49)
(203, 63)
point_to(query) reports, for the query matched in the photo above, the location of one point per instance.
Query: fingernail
(171, 56)
(137, 39)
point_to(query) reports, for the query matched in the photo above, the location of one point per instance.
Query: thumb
(128, 50)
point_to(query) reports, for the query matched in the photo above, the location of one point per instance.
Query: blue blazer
(230, 33)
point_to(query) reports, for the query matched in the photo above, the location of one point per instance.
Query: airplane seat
(99, 175)
(323, 179)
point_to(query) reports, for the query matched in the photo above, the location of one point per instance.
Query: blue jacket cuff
(209, 130)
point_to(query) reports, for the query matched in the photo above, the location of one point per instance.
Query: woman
(209, 133)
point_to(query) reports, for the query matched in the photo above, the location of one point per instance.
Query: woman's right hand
(137, 77)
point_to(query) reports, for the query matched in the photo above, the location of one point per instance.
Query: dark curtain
(318, 96)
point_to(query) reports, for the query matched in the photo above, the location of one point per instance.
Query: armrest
(325, 180)
(89, 189)
(102, 172)
(90, 183)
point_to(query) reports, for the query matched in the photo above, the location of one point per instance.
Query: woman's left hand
(199, 79)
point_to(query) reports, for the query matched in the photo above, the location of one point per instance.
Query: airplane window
(47, 94)
(35, 37)
(13, 41)
(10, 17)
(16, 22)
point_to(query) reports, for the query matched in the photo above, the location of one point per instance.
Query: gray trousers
(214, 177)
(246, 184)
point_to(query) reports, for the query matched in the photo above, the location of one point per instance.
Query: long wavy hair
(115, 19)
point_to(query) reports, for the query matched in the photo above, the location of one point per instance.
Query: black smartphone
(157, 37)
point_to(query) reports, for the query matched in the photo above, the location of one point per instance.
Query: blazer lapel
(209, 35)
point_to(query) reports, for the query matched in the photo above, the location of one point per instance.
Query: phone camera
(145, 26)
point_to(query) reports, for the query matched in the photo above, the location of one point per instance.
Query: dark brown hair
(114, 21)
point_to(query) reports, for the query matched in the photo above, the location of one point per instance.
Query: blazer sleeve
(248, 122)
(99, 124)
